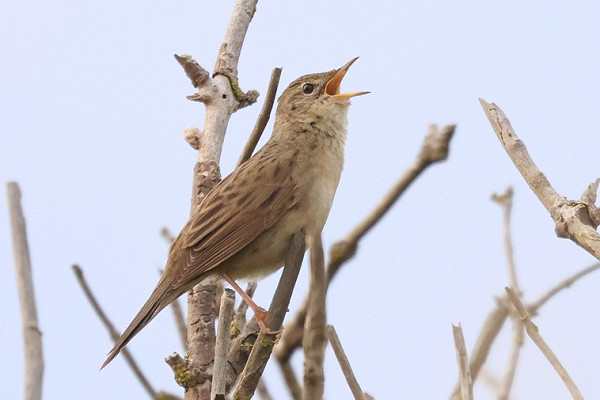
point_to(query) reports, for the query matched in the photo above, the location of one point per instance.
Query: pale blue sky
(93, 110)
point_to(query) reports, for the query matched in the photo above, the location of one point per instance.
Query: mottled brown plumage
(244, 226)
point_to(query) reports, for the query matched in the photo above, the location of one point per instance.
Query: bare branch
(511, 368)
(221, 97)
(291, 381)
(180, 323)
(315, 340)
(222, 344)
(239, 350)
(177, 312)
(464, 371)
(435, 148)
(201, 341)
(263, 117)
(340, 354)
(193, 70)
(114, 334)
(535, 305)
(491, 328)
(262, 390)
(32, 335)
(534, 334)
(505, 201)
(167, 235)
(574, 219)
(281, 299)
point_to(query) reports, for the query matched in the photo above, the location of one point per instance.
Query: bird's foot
(261, 317)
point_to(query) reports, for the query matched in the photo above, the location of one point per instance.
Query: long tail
(153, 306)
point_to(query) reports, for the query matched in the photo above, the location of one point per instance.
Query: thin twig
(489, 332)
(464, 371)
(435, 148)
(180, 323)
(290, 378)
(263, 117)
(114, 334)
(513, 359)
(535, 305)
(222, 345)
(505, 200)
(340, 354)
(315, 340)
(573, 219)
(262, 390)
(534, 334)
(32, 335)
(175, 305)
(281, 299)
(179, 319)
(167, 235)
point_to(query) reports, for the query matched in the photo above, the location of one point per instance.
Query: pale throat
(330, 118)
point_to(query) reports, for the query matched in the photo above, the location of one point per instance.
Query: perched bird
(244, 226)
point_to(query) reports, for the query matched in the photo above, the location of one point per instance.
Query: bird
(244, 226)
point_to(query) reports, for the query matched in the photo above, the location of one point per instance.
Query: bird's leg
(259, 312)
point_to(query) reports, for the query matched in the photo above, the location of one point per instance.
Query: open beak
(332, 87)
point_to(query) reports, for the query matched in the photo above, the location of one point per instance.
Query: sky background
(92, 113)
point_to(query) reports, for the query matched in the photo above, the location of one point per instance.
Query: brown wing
(241, 207)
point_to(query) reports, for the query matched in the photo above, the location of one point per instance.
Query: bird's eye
(308, 88)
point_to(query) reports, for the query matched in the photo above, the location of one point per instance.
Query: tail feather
(152, 307)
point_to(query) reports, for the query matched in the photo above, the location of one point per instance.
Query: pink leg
(259, 312)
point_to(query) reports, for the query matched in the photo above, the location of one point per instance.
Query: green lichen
(234, 330)
(237, 91)
(266, 341)
(183, 377)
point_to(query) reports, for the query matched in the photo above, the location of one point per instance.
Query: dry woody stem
(220, 95)
(340, 354)
(114, 334)
(534, 334)
(263, 117)
(466, 383)
(315, 340)
(32, 335)
(574, 219)
(222, 344)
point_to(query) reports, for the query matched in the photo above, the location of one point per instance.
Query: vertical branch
(513, 359)
(222, 344)
(32, 336)
(466, 383)
(314, 338)
(221, 101)
(505, 201)
(491, 328)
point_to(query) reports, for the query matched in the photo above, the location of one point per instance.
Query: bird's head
(314, 97)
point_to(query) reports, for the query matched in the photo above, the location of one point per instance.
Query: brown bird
(244, 226)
